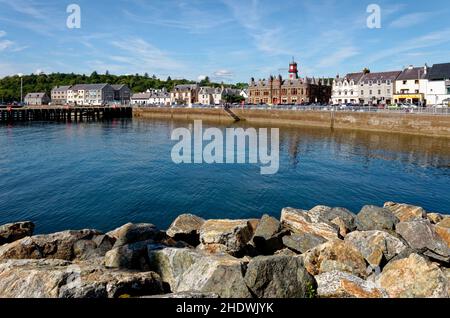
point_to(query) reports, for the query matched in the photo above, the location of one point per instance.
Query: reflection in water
(102, 175)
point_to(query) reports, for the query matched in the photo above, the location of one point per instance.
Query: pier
(64, 113)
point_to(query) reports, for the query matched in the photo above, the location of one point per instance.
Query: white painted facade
(438, 92)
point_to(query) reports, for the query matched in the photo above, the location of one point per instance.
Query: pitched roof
(381, 76)
(61, 88)
(186, 87)
(35, 95)
(117, 87)
(141, 95)
(412, 73)
(439, 71)
(86, 87)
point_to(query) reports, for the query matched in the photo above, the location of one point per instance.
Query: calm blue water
(102, 175)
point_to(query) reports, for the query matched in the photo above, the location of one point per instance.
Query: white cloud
(411, 19)
(201, 77)
(223, 74)
(6, 44)
(2, 33)
(338, 56)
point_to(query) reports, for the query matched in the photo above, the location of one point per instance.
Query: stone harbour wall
(406, 123)
(394, 251)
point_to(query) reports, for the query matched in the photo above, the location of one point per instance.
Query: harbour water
(104, 174)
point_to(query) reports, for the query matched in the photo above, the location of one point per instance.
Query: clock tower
(293, 70)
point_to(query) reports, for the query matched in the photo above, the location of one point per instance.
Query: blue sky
(228, 40)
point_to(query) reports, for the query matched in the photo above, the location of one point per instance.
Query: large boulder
(344, 285)
(406, 212)
(132, 233)
(444, 233)
(186, 227)
(130, 256)
(303, 242)
(186, 270)
(15, 231)
(64, 279)
(90, 249)
(335, 255)
(445, 222)
(53, 246)
(230, 236)
(279, 277)
(375, 218)
(376, 245)
(299, 221)
(421, 236)
(267, 238)
(323, 213)
(414, 277)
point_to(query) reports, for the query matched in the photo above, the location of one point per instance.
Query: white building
(411, 86)
(185, 94)
(438, 87)
(152, 97)
(210, 96)
(346, 89)
(377, 88)
(90, 94)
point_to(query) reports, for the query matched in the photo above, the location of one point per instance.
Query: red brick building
(295, 90)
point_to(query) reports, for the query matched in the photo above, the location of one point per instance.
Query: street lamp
(21, 87)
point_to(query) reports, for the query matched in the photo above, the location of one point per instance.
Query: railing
(324, 108)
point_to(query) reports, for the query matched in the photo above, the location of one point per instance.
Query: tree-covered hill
(10, 85)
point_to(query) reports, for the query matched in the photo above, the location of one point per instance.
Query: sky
(227, 40)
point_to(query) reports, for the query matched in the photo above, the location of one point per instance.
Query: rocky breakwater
(394, 251)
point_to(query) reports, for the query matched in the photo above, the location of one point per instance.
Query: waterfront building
(90, 94)
(244, 93)
(185, 94)
(210, 95)
(377, 88)
(122, 94)
(160, 97)
(346, 89)
(295, 90)
(141, 98)
(411, 86)
(59, 95)
(33, 99)
(438, 86)
(152, 97)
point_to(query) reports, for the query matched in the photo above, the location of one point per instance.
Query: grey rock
(130, 256)
(15, 231)
(376, 245)
(230, 236)
(278, 276)
(97, 247)
(52, 246)
(303, 242)
(186, 270)
(46, 278)
(422, 237)
(267, 238)
(344, 285)
(186, 227)
(132, 233)
(322, 213)
(375, 218)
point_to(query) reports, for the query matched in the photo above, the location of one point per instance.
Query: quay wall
(407, 123)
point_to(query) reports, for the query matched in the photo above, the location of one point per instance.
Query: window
(294, 91)
(379, 92)
(388, 82)
(388, 91)
(404, 82)
(448, 90)
(362, 93)
(370, 92)
(416, 82)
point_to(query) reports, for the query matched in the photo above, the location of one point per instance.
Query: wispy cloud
(411, 19)
(2, 33)
(425, 41)
(338, 56)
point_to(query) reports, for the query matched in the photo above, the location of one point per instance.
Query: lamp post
(21, 87)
